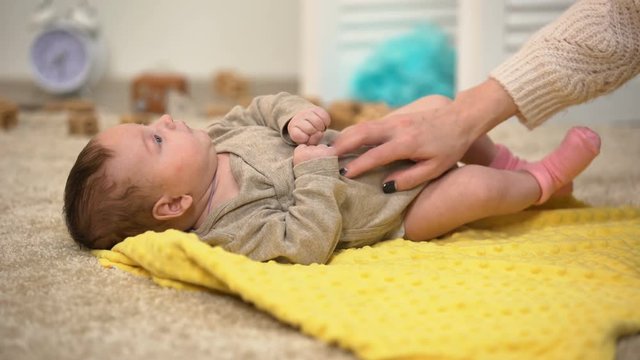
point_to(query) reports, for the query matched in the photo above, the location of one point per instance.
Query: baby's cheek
(181, 165)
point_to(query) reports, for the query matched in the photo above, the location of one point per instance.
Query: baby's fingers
(311, 123)
(323, 118)
(298, 136)
(315, 138)
(306, 124)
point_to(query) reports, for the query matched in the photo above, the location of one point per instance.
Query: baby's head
(132, 178)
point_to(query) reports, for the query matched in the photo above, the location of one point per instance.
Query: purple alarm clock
(61, 60)
(65, 59)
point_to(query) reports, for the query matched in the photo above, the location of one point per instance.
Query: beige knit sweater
(592, 49)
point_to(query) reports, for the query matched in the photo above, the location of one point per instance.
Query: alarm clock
(67, 55)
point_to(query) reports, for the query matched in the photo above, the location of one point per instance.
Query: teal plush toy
(406, 68)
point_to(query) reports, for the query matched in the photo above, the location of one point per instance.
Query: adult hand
(435, 137)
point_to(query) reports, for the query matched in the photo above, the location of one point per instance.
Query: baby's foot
(506, 160)
(579, 147)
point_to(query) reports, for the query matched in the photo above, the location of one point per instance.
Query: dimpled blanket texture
(550, 284)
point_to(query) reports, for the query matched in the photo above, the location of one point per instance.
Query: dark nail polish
(389, 187)
(343, 171)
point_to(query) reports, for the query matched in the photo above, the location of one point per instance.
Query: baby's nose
(167, 121)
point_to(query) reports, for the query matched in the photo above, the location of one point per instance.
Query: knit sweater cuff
(531, 91)
(592, 49)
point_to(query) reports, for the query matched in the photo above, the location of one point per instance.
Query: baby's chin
(201, 134)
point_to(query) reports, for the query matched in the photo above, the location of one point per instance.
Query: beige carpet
(56, 302)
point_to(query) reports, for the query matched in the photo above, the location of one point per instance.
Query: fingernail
(389, 187)
(343, 171)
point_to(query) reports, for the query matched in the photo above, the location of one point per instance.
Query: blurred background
(379, 51)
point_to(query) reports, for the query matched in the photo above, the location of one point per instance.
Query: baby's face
(166, 157)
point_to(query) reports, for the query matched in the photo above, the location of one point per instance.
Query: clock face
(61, 60)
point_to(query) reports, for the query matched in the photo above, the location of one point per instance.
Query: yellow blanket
(553, 284)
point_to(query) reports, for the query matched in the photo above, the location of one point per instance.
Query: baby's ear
(170, 207)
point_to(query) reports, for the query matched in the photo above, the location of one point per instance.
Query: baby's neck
(222, 189)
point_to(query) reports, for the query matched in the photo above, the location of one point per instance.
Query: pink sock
(579, 147)
(505, 159)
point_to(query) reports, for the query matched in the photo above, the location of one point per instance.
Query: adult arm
(592, 49)
(435, 139)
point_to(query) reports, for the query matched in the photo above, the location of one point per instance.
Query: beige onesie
(297, 214)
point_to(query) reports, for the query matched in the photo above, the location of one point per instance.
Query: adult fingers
(374, 157)
(356, 136)
(417, 174)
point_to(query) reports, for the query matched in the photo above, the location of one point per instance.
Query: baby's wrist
(327, 166)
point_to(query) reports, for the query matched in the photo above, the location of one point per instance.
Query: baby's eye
(157, 139)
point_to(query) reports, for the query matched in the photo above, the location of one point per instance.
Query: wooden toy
(136, 118)
(221, 108)
(229, 84)
(79, 106)
(83, 123)
(149, 91)
(348, 112)
(371, 111)
(342, 113)
(244, 101)
(218, 109)
(82, 118)
(8, 114)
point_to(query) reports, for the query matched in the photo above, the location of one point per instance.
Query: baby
(264, 182)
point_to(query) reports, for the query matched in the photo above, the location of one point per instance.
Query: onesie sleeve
(590, 50)
(308, 230)
(273, 111)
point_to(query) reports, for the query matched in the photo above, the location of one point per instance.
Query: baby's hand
(309, 152)
(308, 126)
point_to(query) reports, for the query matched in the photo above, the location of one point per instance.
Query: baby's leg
(483, 151)
(467, 194)
(474, 192)
(497, 156)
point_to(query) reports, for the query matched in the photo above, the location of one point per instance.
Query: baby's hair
(97, 212)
